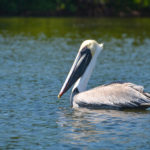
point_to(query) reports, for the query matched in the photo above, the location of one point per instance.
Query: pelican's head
(87, 51)
(92, 45)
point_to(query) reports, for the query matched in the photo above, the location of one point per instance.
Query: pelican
(109, 96)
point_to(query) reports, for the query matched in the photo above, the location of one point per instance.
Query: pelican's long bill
(79, 66)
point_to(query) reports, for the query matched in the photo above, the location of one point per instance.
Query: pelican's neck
(82, 82)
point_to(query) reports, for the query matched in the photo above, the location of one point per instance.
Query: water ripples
(33, 69)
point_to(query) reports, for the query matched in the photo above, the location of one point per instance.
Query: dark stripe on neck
(74, 92)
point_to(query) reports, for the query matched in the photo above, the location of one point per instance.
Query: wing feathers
(119, 95)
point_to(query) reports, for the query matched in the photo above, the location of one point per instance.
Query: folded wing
(117, 95)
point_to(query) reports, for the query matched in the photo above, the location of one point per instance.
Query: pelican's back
(116, 95)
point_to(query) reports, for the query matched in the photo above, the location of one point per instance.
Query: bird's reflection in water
(85, 125)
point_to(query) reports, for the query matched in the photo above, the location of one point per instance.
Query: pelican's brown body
(115, 95)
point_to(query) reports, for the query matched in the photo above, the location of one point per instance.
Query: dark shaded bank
(75, 8)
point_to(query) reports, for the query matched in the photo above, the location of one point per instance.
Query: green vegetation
(75, 7)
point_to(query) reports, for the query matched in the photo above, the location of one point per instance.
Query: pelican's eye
(85, 50)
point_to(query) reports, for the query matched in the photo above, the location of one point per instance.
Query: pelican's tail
(147, 104)
(147, 94)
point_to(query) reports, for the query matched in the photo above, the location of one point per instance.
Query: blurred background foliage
(75, 8)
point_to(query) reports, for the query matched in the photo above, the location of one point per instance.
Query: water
(36, 55)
